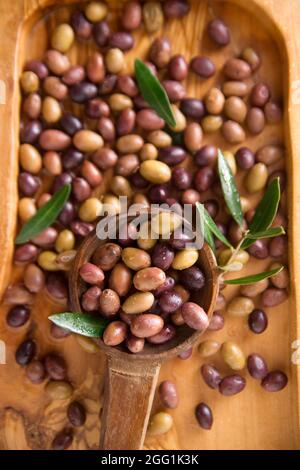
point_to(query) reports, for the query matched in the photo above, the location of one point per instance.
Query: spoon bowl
(132, 378)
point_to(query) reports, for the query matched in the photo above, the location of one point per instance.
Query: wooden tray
(251, 420)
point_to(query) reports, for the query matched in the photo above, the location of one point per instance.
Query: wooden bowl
(132, 378)
(252, 419)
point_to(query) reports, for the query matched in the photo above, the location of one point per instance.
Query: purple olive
(204, 416)
(232, 384)
(170, 301)
(257, 366)
(168, 285)
(162, 256)
(192, 278)
(274, 381)
(258, 321)
(211, 376)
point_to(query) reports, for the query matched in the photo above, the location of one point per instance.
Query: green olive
(184, 259)
(155, 171)
(159, 424)
(62, 37)
(233, 355)
(180, 120)
(208, 348)
(96, 11)
(211, 124)
(241, 257)
(30, 158)
(138, 303)
(65, 241)
(135, 258)
(47, 261)
(87, 344)
(256, 178)
(240, 306)
(29, 82)
(90, 209)
(59, 390)
(166, 223)
(114, 60)
(26, 208)
(118, 102)
(229, 156)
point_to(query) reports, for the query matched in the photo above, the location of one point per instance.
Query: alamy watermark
(2, 353)
(159, 221)
(2, 92)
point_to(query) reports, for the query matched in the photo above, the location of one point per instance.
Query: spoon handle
(128, 397)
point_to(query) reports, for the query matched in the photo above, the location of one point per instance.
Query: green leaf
(210, 226)
(208, 237)
(230, 192)
(265, 211)
(154, 93)
(45, 216)
(204, 228)
(243, 281)
(82, 323)
(269, 233)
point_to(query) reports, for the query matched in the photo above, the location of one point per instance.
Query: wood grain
(251, 420)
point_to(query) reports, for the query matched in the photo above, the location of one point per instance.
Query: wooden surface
(251, 420)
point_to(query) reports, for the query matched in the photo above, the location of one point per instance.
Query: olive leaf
(45, 216)
(80, 323)
(230, 191)
(154, 93)
(254, 277)
(265, 212)
(210, 227)
(208, 237)
(269, 233)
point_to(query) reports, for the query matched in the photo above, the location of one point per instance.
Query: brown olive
(109, 303)
(269, 154)
(255, 120)
(237, 69)
(272, 297)
(160, 52)
(193, 135)
(235, 109)
(214, 101)
(115, 333)
(146, 325)
(107, 256)
(120, 279)
(233, 132)
(168, 394)
(194, 316)
(138, 303)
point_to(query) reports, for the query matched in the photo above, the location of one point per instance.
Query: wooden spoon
(132, 378)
